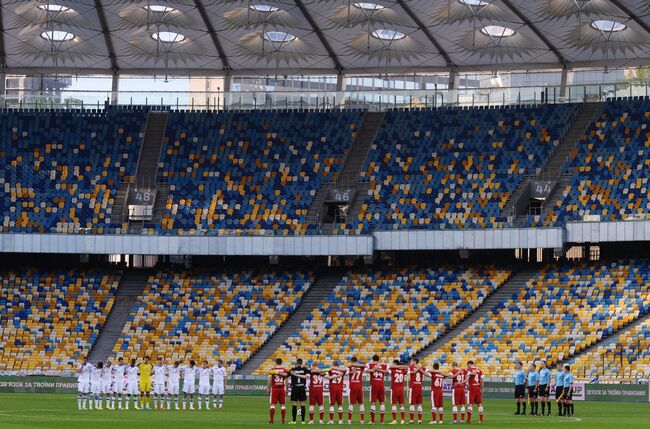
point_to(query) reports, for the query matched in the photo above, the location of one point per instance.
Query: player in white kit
(159, 379)
(189, 383)
(204, 385)
(83, 383)
(96, 385)
(218, 383)
(173, 384)
(107, 384)
(132, 390)
(118, 383)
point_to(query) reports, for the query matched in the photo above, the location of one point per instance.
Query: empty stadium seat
(559, 312)
(394, 313)
(51, 319)
(454, 168)
(234, 172)
(627, 355)
(62, 170)
(209, 315)
(610, 168)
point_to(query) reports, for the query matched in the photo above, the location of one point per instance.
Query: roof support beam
(633, 16)
(423, 28)
(3, 54)
(107, 35)
(213, 34)
(321, 36)
(537, 32)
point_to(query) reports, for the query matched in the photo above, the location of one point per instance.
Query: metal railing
(380, 100)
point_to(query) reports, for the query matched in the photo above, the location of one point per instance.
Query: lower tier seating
(49, 320)
(628, 355)
(210, 315)
(559, 312)
(393, 312)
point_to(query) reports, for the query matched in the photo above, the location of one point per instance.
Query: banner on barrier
(257, 387)
(617, 392)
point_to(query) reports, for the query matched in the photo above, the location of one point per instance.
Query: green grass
(37, 411)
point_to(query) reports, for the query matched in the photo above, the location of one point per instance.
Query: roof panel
(327, 33)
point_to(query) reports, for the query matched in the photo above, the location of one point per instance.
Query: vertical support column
(454, 83)
(563, 82)
(340, 90)
(3, 86)
(227, 85)
(115, 88)
(454, 79)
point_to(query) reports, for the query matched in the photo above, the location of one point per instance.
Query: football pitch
(36, 411)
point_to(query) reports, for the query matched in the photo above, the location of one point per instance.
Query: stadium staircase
(348, 178)
(148, 167)
(119, 204)
(517, 281)
(611, 337)
(131, 287)
(312, 298)
(554, 167)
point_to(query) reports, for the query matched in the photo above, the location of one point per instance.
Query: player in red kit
(475, 381)
(398, 375)
(459, 381)
(415, 389)
(277, 388)
(437, 380)
(316, 378)
(378, 373)
(355, 376)
(335, 376)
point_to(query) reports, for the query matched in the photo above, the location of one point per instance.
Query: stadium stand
(250, 171)
(609, 167)
(559, 312)
(210, 315)
(627, 355)
(51, 319)
(62, 169)
(454, 168)
(395, 312)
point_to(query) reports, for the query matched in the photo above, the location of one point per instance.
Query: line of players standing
(538, 385)
(107, 384)
(463, 379)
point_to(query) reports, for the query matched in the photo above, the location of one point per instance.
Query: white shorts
(189, 388)
(218, 388)
(159, 388)
(96, 388)
(83, 387)
(172, 388)
(204, 389)
(118, 386)
(107, 386)
(132, 388)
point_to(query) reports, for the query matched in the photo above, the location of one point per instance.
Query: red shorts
(356, 395)
(397, 396)
(459, 397)
(278, 396)
(415, 396)
(475, 395)
(336, 396)
(436, 398)
(316, 397)
(378, 393)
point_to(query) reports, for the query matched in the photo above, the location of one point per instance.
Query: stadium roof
(262, 37)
